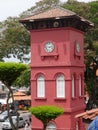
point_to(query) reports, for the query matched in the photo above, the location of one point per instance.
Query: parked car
(6, 125)
(4, 115)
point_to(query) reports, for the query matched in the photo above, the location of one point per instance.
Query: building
(57, 65)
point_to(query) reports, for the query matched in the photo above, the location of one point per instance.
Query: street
(25, 116)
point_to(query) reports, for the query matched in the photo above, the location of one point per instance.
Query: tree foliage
(15, 40)
(8, 74)
(40, 6)
(23, 79)
(90, 12)
(46, 113)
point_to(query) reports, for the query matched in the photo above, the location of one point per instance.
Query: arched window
(80, 85)
(51, 126)
(40, 86)
(73, 86)
(60, 86)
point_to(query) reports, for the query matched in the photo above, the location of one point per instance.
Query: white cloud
(14, 7)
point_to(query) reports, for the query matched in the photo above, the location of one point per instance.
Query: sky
(11, 8)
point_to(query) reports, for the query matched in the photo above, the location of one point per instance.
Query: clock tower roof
(56, 13)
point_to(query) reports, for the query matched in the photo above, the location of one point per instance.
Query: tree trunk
(10, 95)
(44, 126)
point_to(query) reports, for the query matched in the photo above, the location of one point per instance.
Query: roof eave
(90, 24)
(41, 19)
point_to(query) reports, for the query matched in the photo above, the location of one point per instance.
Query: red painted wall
(64, 59)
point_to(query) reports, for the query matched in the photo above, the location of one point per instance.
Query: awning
(19, 94)
(18, 98)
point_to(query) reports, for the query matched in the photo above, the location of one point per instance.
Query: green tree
(8, 74)
(90, 44)
(46, 113)
(24, 78)
(15, 40)
(42, 5)
(91, 54)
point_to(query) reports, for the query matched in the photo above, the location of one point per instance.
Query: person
(93, 125)
(27, 125)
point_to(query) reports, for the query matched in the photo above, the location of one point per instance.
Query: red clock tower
(57, 65)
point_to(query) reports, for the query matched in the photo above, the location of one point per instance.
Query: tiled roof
(55, 12)
(90, 114)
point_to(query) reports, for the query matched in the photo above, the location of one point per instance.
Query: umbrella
(94, 124)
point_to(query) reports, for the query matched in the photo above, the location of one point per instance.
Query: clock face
(77, 47)
(55, 24)
(49, 47)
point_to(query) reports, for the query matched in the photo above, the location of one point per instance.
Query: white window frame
(60, 86)
(40, 86)
(73, 86)
(80, 85)
(77, 125)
